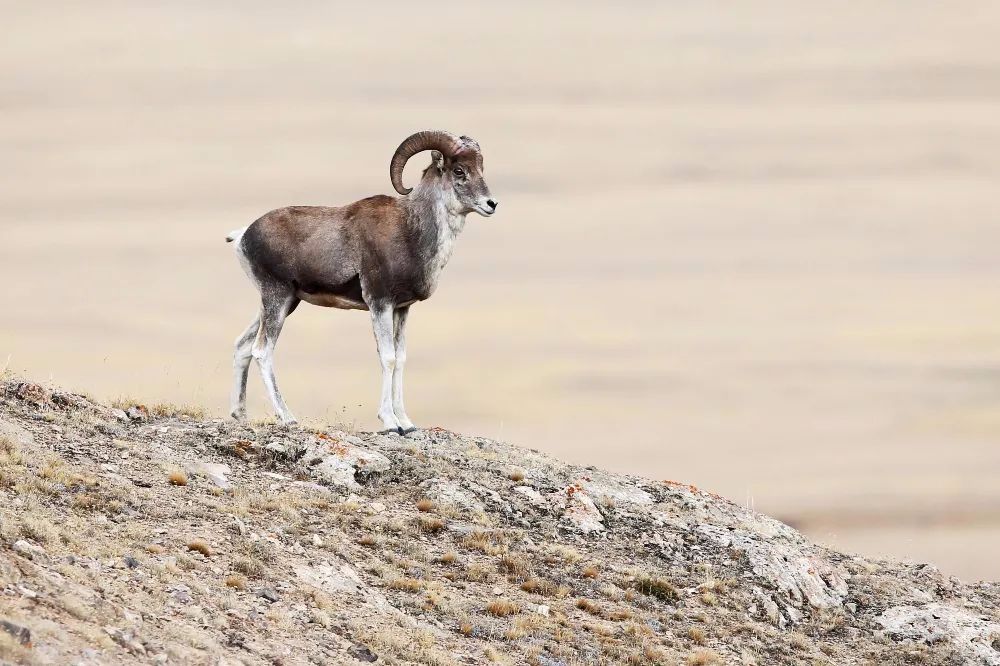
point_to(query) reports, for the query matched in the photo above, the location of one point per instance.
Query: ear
(437, 160)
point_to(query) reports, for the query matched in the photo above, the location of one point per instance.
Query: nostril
(492, 204)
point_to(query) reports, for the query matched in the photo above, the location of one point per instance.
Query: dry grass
(236, 582)
(516, 566)
(168, 410)
(657, 587)
(558, 551)
(478, 572)
(703, 658)
(155, 549)
(368, 541)
(590, 572)
(177, 478)
(249, 566)
(488, 543)
(697, 635)
(502, 608)
(37, 527)
(407, 584)
(200, 546)
(516, 475)
(544, 587)
(448, 558)
(430, 524)
(588, 606)
(425, 505)
(531, 624)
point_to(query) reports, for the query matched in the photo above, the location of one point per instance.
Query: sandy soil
(751, 248)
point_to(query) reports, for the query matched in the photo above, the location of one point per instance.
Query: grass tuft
(200, 546)
(177, 478)
(236, 582)
(502, 607)
(660, 588)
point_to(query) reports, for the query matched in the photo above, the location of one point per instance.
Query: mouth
(484, 211)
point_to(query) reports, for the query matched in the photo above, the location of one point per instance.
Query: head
(456, 167)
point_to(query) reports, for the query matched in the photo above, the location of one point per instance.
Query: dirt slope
(133, 534)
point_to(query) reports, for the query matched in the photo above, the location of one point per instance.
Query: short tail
(235, 234)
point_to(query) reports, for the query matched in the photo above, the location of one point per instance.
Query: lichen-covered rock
(578, 510)
(602, 486)
(339, 459)
(784, 566)
(975, 637)
(451, 494)
(217, 473)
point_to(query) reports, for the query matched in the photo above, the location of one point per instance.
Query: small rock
(182, 594)
(337, 460)
(120, 415)
(317, 540)
(361, 653)
(30, 392)
(532, 495)
(376, 507)
(21, 634)
(214, 472)
(126, 639)
(29, 550)
(542, 610)
(269, 594)
(131, 562)
(137, 413)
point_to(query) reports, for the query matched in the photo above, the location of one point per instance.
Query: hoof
(407, 431)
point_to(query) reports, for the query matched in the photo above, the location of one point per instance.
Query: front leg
(399, 316)
(382, 317)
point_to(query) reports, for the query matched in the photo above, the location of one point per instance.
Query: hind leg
(241, 368)
(277, 302)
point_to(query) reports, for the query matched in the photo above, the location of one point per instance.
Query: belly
(331, 301)
(342, 295)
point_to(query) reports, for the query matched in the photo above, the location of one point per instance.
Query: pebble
(29, 550)
(269, 594)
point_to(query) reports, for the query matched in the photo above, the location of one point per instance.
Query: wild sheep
(380, 254)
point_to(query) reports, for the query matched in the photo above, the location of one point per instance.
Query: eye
(458, 172)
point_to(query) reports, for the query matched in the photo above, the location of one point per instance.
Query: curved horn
(446, 142)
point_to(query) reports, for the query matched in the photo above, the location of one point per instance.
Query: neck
(432, 207)
(438, 220)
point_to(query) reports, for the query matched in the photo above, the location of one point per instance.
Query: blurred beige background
(750, 246)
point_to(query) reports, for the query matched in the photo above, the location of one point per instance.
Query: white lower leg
(397, 395)
(241, 368)
(382, 325)
(266, 364)
(399, 318)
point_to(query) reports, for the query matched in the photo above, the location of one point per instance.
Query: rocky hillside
(148, 534)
